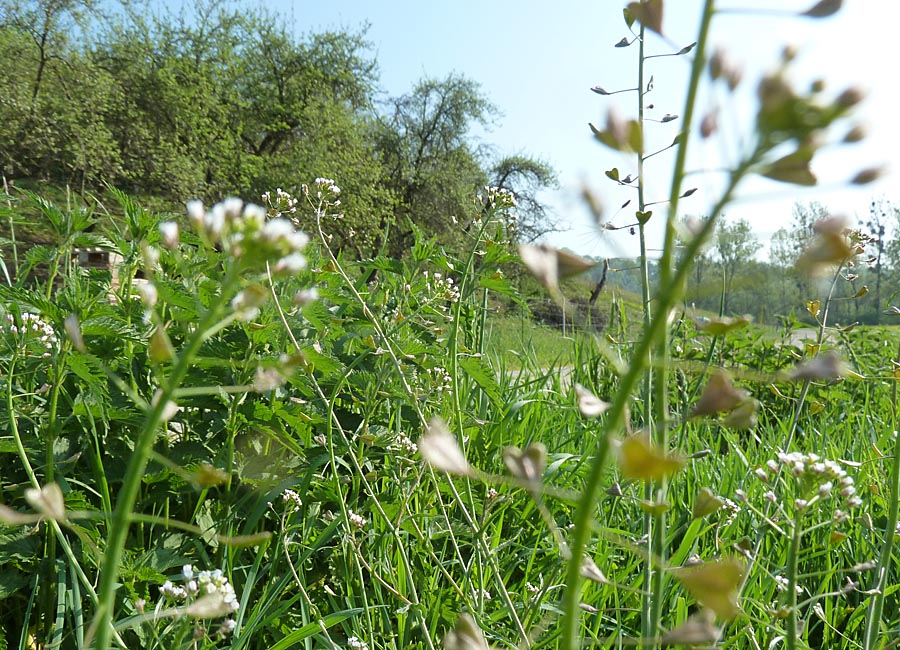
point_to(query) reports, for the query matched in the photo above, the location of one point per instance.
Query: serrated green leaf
(478, 369)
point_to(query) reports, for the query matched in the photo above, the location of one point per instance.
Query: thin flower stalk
(653, 337)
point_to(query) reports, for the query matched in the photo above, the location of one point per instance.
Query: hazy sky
(538, 60)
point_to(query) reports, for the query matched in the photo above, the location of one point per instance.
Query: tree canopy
(224, 101)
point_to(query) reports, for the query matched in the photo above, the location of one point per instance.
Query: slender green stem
(650, 524)
(876, 607)
(668, 296)
(792, 623)
(122, 515)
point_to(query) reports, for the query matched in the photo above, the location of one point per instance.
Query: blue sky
(537, 61)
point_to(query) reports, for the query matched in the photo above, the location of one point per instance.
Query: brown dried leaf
(649, 13)
(823, 8)
(792, 168)
(706, 503)
(527, 465)
(589, 404)
(698, 629)
(719, 395)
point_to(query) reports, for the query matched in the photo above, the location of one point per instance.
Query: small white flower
(169, 232)
(356, 520)
(149, 294)
(306, 296)
(290, 264)
(232, 208)
(196, 214)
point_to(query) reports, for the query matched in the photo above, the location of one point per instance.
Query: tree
(782, 258)
(432, 167)
(735, 245)
(53, 102)
(877, 225)
(526, 177)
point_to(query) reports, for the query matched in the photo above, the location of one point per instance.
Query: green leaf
(613, 174)
(478, 369)
(11, 581)
(308, 630)
(792, 168)
(823, 8)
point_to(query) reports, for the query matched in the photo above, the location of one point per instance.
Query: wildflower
(228, 626)
(292, 498)
(356, 520)
(306, 296)
(356, 644)
(246, 303)
(405, 443)
(169, 232)
(149, 294)
(196, 214)
(32, 335)
(815, 479)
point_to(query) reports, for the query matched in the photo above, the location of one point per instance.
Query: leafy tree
(432, 167)
(54, 100)
(735, 245)
(877, 226)
(217, 101)
(526, 177)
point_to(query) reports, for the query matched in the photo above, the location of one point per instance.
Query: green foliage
(221, 101)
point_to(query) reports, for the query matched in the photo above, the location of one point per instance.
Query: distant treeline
(734, 276)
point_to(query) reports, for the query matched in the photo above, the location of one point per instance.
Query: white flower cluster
(405, 443)
(210, 585)
(816, 479)
(441, 288)
(357, 644)
(441, 379)
(325, 187)
(500, 197)
(781, 583)
(730, 511)
(292, 499)
(243, 231)
(281, 203)
(33, 332)
(357, 520)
